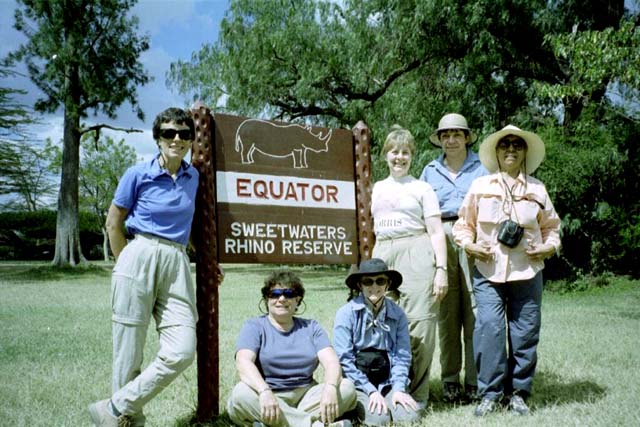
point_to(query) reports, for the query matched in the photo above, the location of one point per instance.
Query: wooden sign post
(272, 192)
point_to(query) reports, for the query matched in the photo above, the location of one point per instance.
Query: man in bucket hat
(451, 175)
(371, 338)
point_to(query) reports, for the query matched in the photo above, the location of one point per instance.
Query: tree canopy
(398, 61)
(84, 56)
(24, 179)
(567, 69)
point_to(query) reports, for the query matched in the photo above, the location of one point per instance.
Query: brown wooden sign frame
(204, 237)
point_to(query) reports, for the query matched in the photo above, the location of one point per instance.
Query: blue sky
(177, 28)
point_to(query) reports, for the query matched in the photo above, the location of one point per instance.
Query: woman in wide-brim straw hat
(509, 225)
(371, 338)
(451, 175)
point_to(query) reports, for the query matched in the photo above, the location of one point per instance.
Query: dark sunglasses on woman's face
(287, 292)
(380, 281)
(517, 144)
(184, 134)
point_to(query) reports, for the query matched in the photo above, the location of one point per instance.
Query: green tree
(14, 116)
(389, 62)
(102, 163)
(25, 176)
(84, 56)
(548, 66)
(23, 170)
(594, 59)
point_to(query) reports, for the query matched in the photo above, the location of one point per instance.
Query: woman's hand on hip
(480, 252)
(269, 408)
(377, 403)
(329, 403)
(440, 284)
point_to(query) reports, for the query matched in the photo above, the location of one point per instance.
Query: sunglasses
(287, 292)
(517, 144)
(184, 134)
(380, 281)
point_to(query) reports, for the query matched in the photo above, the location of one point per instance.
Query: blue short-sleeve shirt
(158, 204)
(286, 360)
(451, 191)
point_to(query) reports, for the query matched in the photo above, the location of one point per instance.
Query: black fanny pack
(374, 364)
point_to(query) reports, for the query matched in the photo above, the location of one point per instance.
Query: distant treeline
(32, 235)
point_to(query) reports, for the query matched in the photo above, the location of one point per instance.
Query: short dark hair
(440, 132)
(178, 115)
(284, 278)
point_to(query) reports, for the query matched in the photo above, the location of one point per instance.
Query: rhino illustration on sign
(253, 135)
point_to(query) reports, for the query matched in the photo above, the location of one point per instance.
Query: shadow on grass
(551, 389)
(44, 273)
(221, 420)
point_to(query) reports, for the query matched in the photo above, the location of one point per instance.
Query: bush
(31, 235)
(592, 184)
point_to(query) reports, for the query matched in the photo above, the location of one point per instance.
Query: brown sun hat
(374, 267)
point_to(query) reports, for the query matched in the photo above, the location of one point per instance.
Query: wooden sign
(271, 192)
(285, 193)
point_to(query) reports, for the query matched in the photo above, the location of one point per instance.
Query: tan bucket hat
(452, 121)
(535, 149)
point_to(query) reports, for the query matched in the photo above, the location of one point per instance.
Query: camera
(510, 233)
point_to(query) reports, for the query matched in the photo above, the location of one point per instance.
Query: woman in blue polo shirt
(152, 277)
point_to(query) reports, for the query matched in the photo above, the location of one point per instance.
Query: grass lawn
(55, 350)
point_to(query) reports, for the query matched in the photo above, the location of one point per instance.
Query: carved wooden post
(362, 155)
(203, 234)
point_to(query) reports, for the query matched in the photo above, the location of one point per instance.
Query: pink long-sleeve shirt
(487, 205)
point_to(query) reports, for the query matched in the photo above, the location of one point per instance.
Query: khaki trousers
(300, 406)
(457, 316)
(152, 278)
(413, 257)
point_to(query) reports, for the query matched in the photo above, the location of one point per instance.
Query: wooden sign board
(285, 193)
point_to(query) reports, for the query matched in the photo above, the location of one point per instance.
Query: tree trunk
(105, 243)
(68, 250)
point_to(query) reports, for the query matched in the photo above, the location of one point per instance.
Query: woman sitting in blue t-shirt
(276, 355)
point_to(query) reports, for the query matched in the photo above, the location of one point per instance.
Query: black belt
(449, 218)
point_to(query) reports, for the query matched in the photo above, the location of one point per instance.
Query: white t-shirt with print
(400, 206)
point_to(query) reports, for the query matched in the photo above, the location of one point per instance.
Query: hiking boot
(471, 393)
(486, 406)
(102, 417)
(451, 392)
(518, 406)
